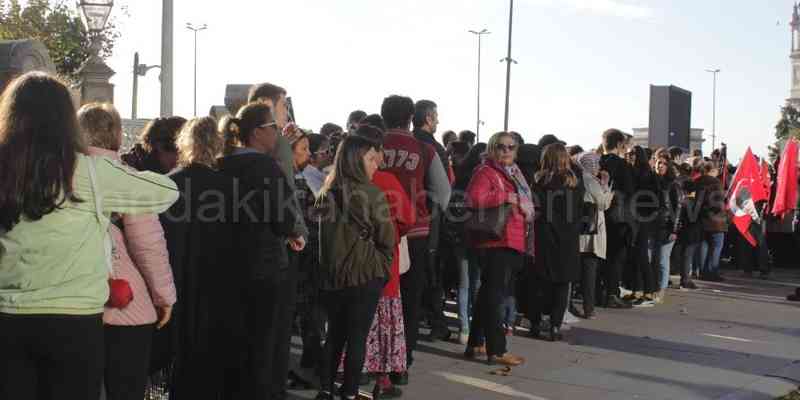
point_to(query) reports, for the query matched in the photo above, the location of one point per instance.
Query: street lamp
(195, 29)
(508, 60)
(478, 124)
(95, 74)
(714, 110)
(94, 13)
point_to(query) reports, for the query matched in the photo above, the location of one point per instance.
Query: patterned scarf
(514, 174)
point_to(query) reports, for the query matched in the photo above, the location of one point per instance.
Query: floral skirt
(386, 342)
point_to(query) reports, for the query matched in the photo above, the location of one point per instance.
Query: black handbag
(488, 223)
(589, 218)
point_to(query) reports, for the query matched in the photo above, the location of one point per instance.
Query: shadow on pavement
(774, 329)
(673, 351)
(704, 390)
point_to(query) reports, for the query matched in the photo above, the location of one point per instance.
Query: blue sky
(584, 65)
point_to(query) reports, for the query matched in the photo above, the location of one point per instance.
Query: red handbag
(120, 293)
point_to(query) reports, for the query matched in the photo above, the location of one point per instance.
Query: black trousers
(748, 256)
(350, 314)
(312, 331)
(645, 275)
(617, 255)
(554, 299)
(412, 287)
(589, 263)
(127, 361)
(499, 267)
(51, 357)
(434, 292)
(269, 309)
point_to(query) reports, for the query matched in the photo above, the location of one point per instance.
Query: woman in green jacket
(357, 240)
(55, 204)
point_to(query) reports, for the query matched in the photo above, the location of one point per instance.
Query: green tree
(59, 27)
(789, 124)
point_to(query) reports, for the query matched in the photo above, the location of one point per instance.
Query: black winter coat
(266, 212)
(204, 332)
(557, 230)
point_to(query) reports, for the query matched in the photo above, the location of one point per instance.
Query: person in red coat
(498, 181)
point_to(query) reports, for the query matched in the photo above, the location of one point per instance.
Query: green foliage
(59, 27)
(789, 124)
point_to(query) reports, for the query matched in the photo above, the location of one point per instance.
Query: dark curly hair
(163, 132)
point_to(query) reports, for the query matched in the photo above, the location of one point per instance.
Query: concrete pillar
(167, 33)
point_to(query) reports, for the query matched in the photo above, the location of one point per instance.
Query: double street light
(195, 29)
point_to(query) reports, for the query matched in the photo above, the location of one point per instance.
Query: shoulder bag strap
(107, 247)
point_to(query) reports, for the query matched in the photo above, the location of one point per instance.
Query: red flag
(747, 188)
(786, 194)
(766, 179)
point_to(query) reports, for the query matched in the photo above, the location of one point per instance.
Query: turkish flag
(748, 188)
(786, 194)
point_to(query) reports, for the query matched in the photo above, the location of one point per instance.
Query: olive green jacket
(357, 237)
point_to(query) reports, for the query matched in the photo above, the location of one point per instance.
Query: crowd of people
(184, 266)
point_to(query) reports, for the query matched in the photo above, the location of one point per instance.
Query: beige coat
(601, 195)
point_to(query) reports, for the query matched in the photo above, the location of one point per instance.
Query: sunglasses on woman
(506, 147)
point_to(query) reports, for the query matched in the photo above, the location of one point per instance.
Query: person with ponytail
(267, 214)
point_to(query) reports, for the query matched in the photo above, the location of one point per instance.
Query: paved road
(736, 340)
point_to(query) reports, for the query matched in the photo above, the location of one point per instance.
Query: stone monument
(20, 56)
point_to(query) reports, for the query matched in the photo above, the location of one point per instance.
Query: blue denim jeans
(710, 252)
(661, 252)
(689, 259)
(468, 284)
(509, 310)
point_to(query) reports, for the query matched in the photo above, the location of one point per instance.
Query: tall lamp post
(195, 29)
(714, 110)
(508, 60)
(95, 74)
(478, 124)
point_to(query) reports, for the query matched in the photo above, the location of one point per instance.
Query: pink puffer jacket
(140, 257)
(489, 188)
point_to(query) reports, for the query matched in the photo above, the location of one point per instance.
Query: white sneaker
(570, 319)
(644, 303)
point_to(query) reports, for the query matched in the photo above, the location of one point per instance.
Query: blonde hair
(101, 124)
(494, 143)
(199, 142)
